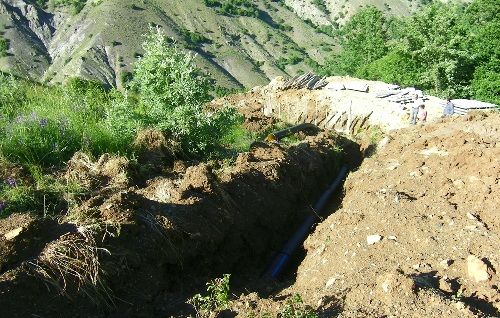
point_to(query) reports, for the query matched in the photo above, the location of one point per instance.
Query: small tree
(172, 91)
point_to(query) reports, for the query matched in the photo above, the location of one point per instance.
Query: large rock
(477, 269)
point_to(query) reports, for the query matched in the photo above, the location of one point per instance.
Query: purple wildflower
(11, 182)
(2, 205)
(43, 122)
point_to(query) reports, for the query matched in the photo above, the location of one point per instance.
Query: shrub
(172, 91)
(77, 5)
(216, 300)
(295, 308)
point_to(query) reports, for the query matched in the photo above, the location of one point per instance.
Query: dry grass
(71, 263)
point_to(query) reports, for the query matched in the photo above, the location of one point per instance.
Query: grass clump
(71, 264)
(44, 126)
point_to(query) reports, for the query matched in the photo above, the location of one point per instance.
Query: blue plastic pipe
(298, 237)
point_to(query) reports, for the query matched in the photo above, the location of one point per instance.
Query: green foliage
(193, 39)
(293, 58)
(44, 126)
(447, 49)
(216, 300)
(295, 308)
(320, 4)
(44, 195)
(172, 92)
(363, 39)
(77, 5)
(4, 46)
(234, 7)
(485, 84)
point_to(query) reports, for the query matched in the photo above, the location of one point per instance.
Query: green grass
(38, 193)
(45, 126)
(41, 127)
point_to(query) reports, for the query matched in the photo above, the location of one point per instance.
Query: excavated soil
(416, 234)
(150, 246)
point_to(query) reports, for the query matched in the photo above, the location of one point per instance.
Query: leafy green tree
(448, 49)
(482, 18)
(434, 38)
(363, 40)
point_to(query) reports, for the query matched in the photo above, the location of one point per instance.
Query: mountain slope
(326, 12)
(103, 40)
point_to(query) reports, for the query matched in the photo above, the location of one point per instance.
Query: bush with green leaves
(218, 298)
(234, 7)
(77, 5)
(172, 92)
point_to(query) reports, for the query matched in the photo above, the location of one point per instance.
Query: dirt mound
(153, 242)
(412, 216)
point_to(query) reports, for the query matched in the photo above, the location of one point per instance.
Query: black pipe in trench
(298, 237)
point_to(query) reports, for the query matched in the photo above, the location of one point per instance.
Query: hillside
(239, 48)
(326, 12)
(412, 233)
(103, 40)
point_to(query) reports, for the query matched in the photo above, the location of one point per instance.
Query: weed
(217, 299)
(295, 308)
(44, 195)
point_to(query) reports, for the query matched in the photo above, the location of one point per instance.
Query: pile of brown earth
(417, 232)
(141, 247)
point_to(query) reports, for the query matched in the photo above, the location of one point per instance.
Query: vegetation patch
(4, 46)
(42, 127)
(234, 7)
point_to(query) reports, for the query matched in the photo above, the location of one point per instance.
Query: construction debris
(356, 86)
(308, 80)
(463, 106)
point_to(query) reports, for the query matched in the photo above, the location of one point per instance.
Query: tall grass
(45, 126)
